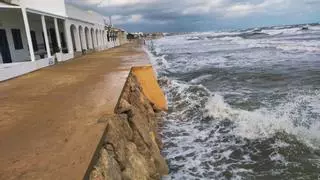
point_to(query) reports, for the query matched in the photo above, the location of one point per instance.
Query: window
(16, 34)
(34, 40)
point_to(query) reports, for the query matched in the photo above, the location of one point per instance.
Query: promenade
(49, 118)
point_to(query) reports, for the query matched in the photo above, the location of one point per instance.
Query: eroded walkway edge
(130, 146)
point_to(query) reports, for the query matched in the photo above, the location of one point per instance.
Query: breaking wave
(207, 138)
(294, 117)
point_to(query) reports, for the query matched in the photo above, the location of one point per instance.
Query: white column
(97, 32)
(94, 39)
(68, 37)
(90, 39)
(103, 43)
(84, 39)
(57, 33)
(100, 40)
(78, 40)
(45, 34)
(27, 28)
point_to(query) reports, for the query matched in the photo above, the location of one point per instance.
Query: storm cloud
(202, 15)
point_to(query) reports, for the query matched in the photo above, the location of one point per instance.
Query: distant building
(130, 36)
(155, 35)
(35, 33)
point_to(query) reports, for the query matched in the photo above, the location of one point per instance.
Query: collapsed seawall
(130, 148)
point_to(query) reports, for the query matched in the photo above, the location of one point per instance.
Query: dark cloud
(202, 15)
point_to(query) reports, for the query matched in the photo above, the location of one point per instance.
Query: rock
(136, 167)
(123, 106)
(107, 168)
(145, 139)
(96, 175)
(118, 134)
(160, 163)
(156, 109)
(132, 145)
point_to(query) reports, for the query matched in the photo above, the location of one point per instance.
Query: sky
(202, 15)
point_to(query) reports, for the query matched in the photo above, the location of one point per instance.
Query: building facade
(37, 33)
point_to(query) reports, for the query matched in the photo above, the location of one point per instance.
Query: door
(34, 40)
(54, 40)
(4, 47)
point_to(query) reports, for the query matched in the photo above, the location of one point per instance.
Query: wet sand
(48, 124)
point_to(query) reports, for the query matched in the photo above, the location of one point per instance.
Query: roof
(84, 15)
(6, 5)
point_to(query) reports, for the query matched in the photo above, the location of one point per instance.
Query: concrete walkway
(48, 124)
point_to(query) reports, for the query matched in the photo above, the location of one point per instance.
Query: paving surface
(48, 121)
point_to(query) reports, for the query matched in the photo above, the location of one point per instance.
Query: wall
(55, 7)
(122, 36)
(98, 30)
(84, 15)
(131, 145)
(147, 79)
(78, 17)
(11, 70)
(14, 20)
(92, 20)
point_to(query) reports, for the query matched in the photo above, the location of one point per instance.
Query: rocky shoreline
(131, 145)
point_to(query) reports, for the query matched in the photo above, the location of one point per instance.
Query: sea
(243, 104)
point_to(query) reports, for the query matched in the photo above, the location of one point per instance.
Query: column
(94, 44)
(78, 40)
(103, 42)
(98, 44)
(90, 39)
(100, 37)
(45, 34)
(68, 37)
(84, 39)
(27, 28)
(57, 33)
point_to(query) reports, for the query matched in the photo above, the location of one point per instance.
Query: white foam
(314, 28)
(201, 78)
(284, 44)
(213, 140)
(263, 123)
(234, 38)
(277, 157)
(191, 135)
(281, 31)
(193, 38)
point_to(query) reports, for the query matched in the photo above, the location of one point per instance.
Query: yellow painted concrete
(150, 86)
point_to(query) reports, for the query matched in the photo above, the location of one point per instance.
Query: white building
(37, 33)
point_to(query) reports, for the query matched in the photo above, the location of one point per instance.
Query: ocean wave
(220, 139)
(194, 38)
(285, 44)
(241, 108)
(253, 35)
(290, 117)
(201, 78)
(281, 31)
